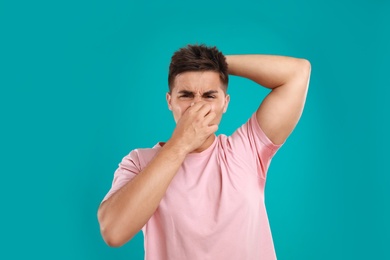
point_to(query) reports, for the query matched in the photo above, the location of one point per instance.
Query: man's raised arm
(288, 78)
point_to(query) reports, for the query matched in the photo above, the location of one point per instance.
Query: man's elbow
(111, 242)
(301, 73)
(111, 234)
(305, 67)
(113, 238)
(109, 238)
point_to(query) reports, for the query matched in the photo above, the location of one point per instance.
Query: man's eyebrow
(210, 92)
(205, 93)
(185, 92)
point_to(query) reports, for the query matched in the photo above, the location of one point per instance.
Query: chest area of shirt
(213, 189)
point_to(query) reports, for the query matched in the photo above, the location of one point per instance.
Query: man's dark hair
(198, 58)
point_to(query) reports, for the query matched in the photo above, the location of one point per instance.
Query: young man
(201, 196)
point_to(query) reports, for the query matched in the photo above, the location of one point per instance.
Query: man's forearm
(124, 214)
(270, 71)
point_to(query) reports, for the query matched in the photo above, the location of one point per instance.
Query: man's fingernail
(192, 104)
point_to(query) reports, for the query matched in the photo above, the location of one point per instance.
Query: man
(201, 196)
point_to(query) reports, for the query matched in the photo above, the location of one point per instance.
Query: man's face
(198, 86)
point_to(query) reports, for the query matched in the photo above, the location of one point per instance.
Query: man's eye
(184, 95)
(210, 96)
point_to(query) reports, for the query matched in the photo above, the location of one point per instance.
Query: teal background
(83, 83)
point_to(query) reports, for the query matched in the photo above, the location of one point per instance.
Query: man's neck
(209, 141)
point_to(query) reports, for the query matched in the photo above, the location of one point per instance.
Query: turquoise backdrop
(84, 82)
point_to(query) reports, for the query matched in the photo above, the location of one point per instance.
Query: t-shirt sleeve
(251, 143)
(127, 169)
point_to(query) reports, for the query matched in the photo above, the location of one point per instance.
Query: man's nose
(197, 98)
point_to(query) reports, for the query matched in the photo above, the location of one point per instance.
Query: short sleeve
(127, 169)
(251, 143)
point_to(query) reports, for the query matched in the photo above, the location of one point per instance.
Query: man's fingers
(209, 117)
(201, 108)
(204, 110)
(194, 107)
(213, 128)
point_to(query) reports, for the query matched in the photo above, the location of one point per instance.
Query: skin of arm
(138, 199)
(287, 77)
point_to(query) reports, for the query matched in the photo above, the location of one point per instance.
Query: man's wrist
(178, 149)
(231, 64)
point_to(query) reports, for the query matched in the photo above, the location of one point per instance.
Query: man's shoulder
(144, 155)
(221, 138)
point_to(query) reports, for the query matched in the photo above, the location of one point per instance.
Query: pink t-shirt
(214, 207)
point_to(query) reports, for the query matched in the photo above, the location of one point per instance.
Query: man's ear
(169, 98)
(227, 100)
